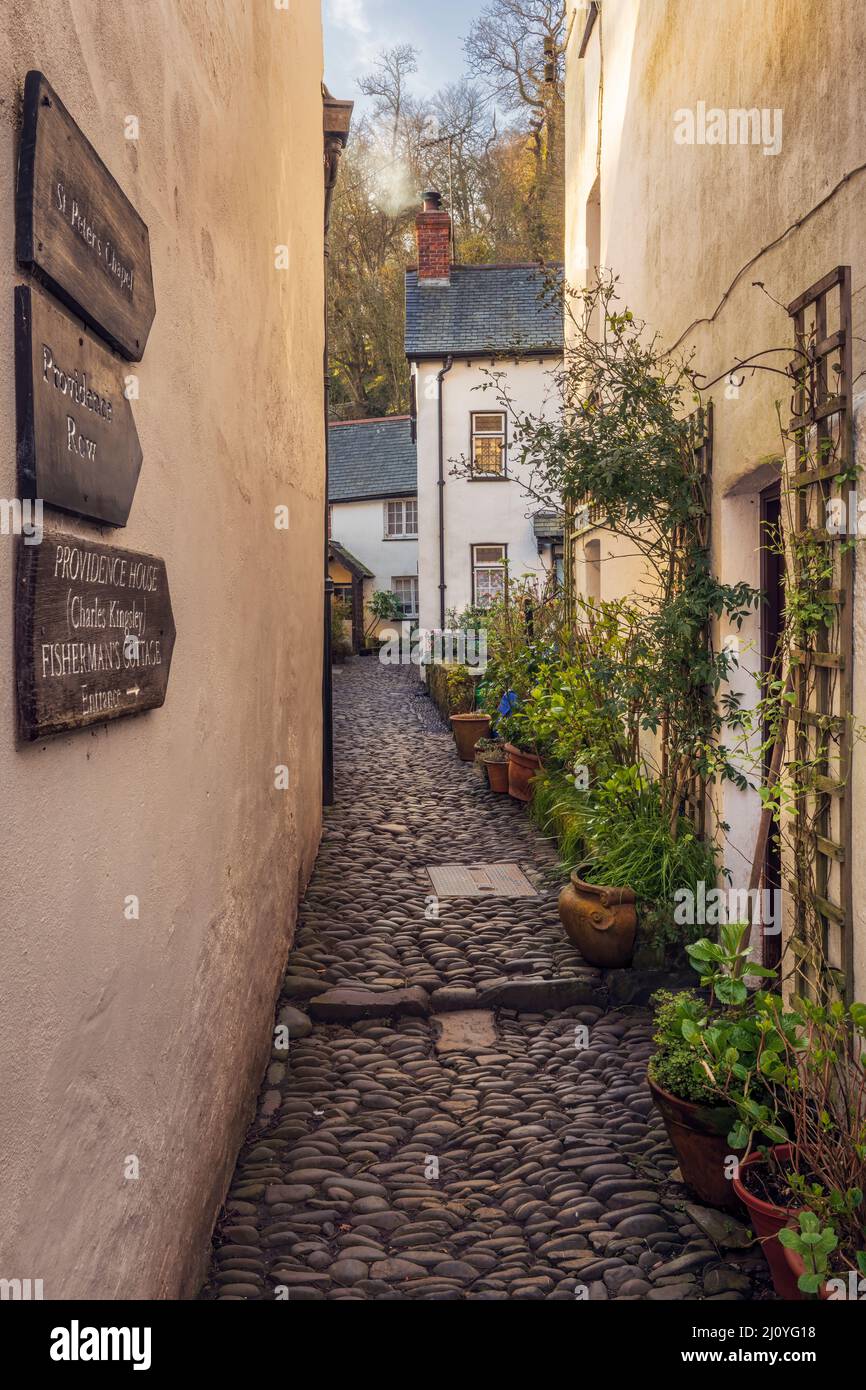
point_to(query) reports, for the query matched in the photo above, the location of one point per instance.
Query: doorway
(772, 628)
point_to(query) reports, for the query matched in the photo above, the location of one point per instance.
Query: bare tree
(516, 47)
(387, 84)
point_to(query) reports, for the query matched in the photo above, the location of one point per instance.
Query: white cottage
(373, 514)
(474, 516)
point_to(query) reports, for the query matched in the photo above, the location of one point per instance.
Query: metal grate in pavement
(480, 881)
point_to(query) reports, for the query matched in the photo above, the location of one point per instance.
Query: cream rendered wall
(360, 527)
(680, 222)
(476, 512)
(149, 1037)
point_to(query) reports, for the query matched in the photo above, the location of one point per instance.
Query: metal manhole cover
(480, 881)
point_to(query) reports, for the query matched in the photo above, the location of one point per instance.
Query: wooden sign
(94, 634)
(78, 448)
(76, 228)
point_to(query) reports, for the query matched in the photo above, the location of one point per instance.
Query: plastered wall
(691, 228)
(147, 1037)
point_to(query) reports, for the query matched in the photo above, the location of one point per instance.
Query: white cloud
(349, 14)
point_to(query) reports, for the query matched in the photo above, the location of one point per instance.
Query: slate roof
(352, 563)
(486, 308)
(548, 525)
(371, 458)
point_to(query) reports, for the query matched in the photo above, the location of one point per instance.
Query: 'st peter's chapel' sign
(76, 227)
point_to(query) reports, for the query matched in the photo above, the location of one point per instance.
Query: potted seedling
(490, 753)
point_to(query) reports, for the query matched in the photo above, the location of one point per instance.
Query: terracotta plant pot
(601, 922)
(497, 774)
(698, 1137)
(522, 767)
(767, 1221)
(467, 730)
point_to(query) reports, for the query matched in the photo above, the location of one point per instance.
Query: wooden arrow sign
(94, 634)
(78, 447)
(76, 228)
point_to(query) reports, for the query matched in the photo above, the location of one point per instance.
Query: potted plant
(490, 753)
(813, 1064)
(600, 921)
(467, 730)
(633, 863)
(524, 761)
(705, 1070)
(383, 607)
(697, 1121)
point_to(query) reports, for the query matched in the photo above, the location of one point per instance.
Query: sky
(355, 31)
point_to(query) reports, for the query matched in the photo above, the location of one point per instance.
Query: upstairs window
(401, 519)
(488, 444)
(488, 574)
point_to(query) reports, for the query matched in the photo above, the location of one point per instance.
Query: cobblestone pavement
(507, 1163)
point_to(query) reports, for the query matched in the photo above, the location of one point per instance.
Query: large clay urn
(601, 922)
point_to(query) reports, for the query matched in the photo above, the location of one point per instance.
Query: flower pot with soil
(522, 767)
(699, 1137)
(467, 730)
(600, 921)
(491, 757)
(763, 1194)
(682, 1073)
(497, 774)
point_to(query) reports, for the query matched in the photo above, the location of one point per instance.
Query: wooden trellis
(702, 446)
(819, 484)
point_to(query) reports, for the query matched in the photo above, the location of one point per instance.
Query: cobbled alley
(455, 1115)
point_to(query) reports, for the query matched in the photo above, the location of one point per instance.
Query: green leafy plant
(559, 809)
(814, 1244)
(383, 606)
(628, 442)
(723, 964)
(630, 842)
(341, 643)
(676, 1065)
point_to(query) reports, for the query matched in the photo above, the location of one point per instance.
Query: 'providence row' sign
(76, 227)
(78, 447)
(94, 634)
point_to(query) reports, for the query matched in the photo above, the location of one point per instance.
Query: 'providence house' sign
(78, 447)
(76, 228)
(94, 634)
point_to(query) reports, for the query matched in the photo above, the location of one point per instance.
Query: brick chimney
(433, 230)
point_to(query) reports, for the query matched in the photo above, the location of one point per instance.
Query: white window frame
(501, 434)
(412, 581)
(488, 567)
(401, 506)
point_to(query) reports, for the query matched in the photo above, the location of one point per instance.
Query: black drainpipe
(449, 363)
(337, 116)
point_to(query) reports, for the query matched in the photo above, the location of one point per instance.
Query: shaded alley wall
(148, 1037)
